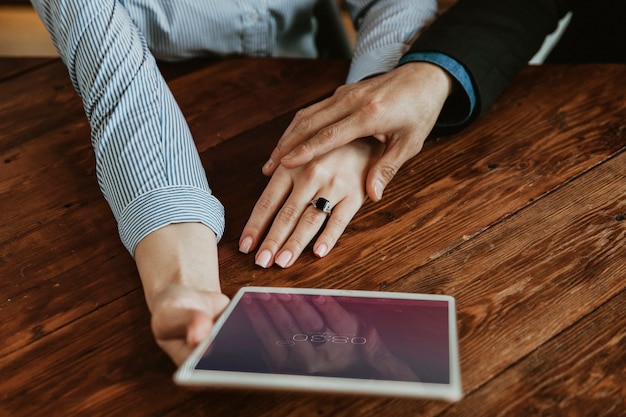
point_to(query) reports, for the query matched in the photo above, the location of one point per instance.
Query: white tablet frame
(186, 375)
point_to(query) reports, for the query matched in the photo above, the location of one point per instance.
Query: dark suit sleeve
(492, 39)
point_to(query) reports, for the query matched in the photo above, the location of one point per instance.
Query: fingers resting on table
(328, 152)
(315, 201)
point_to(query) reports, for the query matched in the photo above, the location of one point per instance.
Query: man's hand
(398, 108)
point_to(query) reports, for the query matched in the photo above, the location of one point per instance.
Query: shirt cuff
(164, 206)
(461, 104)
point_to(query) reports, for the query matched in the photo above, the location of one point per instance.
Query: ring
(322, 204)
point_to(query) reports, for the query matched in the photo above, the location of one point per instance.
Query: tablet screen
(334, 340)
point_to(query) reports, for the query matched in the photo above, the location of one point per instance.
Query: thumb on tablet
(199, 327)
(182, 317)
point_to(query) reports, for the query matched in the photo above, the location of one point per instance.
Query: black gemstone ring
(322, 205)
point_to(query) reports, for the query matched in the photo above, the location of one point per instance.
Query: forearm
(183, 254)
(147, 165)
(179, 273)
(385, 31)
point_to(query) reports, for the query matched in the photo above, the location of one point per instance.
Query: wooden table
(521, 217)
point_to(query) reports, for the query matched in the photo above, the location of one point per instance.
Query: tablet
(333, 341)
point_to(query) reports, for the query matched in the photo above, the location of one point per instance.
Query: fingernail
(283, 258)
(245, 245)
(378, 189)
(321, 250)
(268, 165)
(264, 258)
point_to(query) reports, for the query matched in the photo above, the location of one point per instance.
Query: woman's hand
(182, 317)
(179, 271)
(285, 206)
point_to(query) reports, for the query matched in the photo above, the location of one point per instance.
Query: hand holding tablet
(394, 344)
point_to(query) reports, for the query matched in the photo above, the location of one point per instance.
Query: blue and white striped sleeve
(147, 163)
(385, 29)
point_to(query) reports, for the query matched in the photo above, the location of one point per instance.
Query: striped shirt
(147, 165)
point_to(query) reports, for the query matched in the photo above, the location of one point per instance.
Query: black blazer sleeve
(492, 39)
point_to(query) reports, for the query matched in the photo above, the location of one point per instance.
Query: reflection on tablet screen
(337, 336)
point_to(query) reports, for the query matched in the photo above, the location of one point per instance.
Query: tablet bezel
(187, 375)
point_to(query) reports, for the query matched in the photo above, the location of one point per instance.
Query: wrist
(438, 78)
(181, 254)
(461, 105)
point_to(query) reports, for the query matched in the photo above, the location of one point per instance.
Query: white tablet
(337, 341)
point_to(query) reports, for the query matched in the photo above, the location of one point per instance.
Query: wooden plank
(238, 211)
(243, 84)
(579, 372)
(12, 67)
(54, 210)
(529, 144)
(35, 105)
(516, 217)
(518, 286)
(56, 276)
(90, 367)
(227, 99)
(530, 277)
(55, 147)
(506, 310)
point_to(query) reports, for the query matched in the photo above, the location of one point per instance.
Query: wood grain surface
(521, 218)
